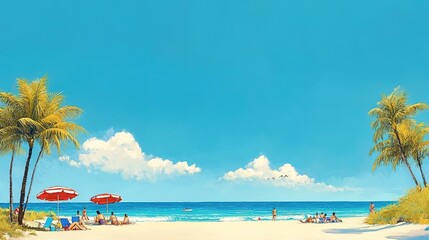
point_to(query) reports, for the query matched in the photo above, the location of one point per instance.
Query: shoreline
(212, 212)
(351, 228)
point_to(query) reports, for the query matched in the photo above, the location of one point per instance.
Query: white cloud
(122, 154)
(287, 176)
(69, 161)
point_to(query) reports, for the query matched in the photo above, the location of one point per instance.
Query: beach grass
(7, 228)
(13, 229)
(412, 208)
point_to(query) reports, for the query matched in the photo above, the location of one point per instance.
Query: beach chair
(48, 224)
(75, 219)
(65, 223)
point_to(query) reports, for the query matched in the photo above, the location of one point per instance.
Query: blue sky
(219, 84)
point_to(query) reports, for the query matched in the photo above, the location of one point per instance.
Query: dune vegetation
(400, 141)
(12, 229)
(412, 208)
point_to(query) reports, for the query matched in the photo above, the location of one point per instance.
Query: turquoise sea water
(211, 211)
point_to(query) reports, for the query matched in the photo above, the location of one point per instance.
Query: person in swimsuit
(78, 226)
(84, 215)
(334, 218)
(126, 220)
(371, 208)
(100, 218)
(113, 219)
(308, 219)
(274, 213)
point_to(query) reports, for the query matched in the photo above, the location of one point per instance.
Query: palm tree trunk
(412, 174)
(32, 178)
(24, 184)
(419, 162)
(10, 188)
(404, 157)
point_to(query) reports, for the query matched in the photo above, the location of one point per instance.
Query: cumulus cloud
(259, 170)
(121, 154)
(69, 161)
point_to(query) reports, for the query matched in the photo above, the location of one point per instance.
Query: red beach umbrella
(57, 193)
(106, 198)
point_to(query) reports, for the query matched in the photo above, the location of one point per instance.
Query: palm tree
(392, 111)
(28, 107)
(10, 141)
(41, 119)
(389, 154)
(418, 146)
(55, 130)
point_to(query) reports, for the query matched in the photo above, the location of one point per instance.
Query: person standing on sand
(274, 213)
(371, 208)
(84, 215)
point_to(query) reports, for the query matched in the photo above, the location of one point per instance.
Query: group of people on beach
(321, 218)
(113, 220)
(318, 218)
(99, 219)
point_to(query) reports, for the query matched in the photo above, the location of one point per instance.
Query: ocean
(211, 211)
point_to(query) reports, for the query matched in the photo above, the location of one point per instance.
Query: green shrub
(13, 229)
(31, 215)
(387, 215)
(412, 208)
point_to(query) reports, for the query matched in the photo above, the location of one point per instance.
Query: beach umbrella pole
(107, 208)
(58, 204)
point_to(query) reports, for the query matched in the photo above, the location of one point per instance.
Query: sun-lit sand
(351, 228)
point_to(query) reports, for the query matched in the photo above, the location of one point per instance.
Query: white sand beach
(351, 228)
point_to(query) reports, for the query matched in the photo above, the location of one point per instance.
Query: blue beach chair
(65, 223)
(75, 219)
(48, 224)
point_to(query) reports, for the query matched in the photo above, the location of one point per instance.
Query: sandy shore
(351, 228)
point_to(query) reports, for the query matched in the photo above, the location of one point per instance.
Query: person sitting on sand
(334, 218)
(113, 219)
(81, 222)
(323, 218)
(314, 219)
(126, 220)
(100, 218)
(75, 226)
(308, 219)
(78, 225)
(320, 218)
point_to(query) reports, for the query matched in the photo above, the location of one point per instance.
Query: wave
(232, 219)
(152, 219)
(214, 219)
(262, 218)
(291, 217)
